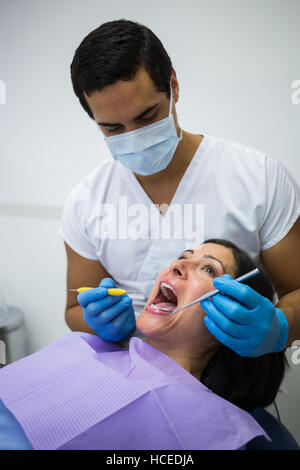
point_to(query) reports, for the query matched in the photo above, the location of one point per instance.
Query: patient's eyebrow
(206, 256)
(187, 251)
(216, 259)
(108, 124)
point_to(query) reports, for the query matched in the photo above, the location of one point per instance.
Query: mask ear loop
(171, 97)
(170, 112)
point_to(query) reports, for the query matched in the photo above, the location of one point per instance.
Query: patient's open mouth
(166, 297)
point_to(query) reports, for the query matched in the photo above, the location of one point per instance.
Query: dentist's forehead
(114, 103)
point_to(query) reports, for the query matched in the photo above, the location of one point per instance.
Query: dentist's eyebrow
(109, 124)
(207, 256)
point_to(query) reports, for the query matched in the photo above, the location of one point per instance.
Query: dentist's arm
(93, 311)
(282, 262)
(81, 272)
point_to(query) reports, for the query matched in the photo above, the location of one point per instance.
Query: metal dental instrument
(213, 292)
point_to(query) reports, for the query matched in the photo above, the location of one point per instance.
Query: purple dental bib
(81, 392)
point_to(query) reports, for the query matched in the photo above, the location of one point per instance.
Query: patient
(178, 389)
(246, 382)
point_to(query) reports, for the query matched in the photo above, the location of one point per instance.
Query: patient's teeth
(154, 306)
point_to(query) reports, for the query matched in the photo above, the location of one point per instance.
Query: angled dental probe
(213, 292)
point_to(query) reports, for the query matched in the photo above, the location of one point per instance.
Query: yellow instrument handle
(111, 291)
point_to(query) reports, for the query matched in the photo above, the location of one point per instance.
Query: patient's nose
(178, 268)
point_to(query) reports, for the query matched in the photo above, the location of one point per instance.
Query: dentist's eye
(149, 119)
(111, 131)
(143, 121)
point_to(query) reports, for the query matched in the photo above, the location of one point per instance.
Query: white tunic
(228, 191)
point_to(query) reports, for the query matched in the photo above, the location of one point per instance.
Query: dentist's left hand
(243, 320)
(111, 317)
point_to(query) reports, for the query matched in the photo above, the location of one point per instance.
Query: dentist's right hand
(110, 316)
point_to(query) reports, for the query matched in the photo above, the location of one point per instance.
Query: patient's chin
(147, 323)
(140, 321)
(188, 324)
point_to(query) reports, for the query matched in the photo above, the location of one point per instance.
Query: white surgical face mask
(149, 149)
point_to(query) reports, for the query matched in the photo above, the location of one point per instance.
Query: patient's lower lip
(157, 312)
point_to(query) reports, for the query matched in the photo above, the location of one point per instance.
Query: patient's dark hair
(245, 381)
(115, 51)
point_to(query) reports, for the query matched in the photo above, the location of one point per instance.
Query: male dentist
(124, 80)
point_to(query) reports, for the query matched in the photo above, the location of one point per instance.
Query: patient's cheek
(163, 273)
(198, 312)
(204, 335)
(199, 284)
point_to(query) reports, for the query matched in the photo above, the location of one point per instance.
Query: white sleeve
(282, 204)
(73, 223)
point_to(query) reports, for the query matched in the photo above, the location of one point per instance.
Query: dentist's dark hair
(115, 51)
(247, 382)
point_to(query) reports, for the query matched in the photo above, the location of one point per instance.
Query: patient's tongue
(167, 305)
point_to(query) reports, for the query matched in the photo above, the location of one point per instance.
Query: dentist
(124, 80)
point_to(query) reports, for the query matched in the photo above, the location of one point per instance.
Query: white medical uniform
(247, 197)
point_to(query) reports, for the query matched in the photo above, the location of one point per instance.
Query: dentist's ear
(175, 86)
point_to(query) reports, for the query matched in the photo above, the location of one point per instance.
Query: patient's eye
(212, 270)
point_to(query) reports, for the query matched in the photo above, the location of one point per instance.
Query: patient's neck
(192, 361)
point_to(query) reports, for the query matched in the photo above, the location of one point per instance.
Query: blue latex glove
(243, 320)
(110, 316)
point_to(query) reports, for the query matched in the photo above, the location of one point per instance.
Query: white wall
(235, 62)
